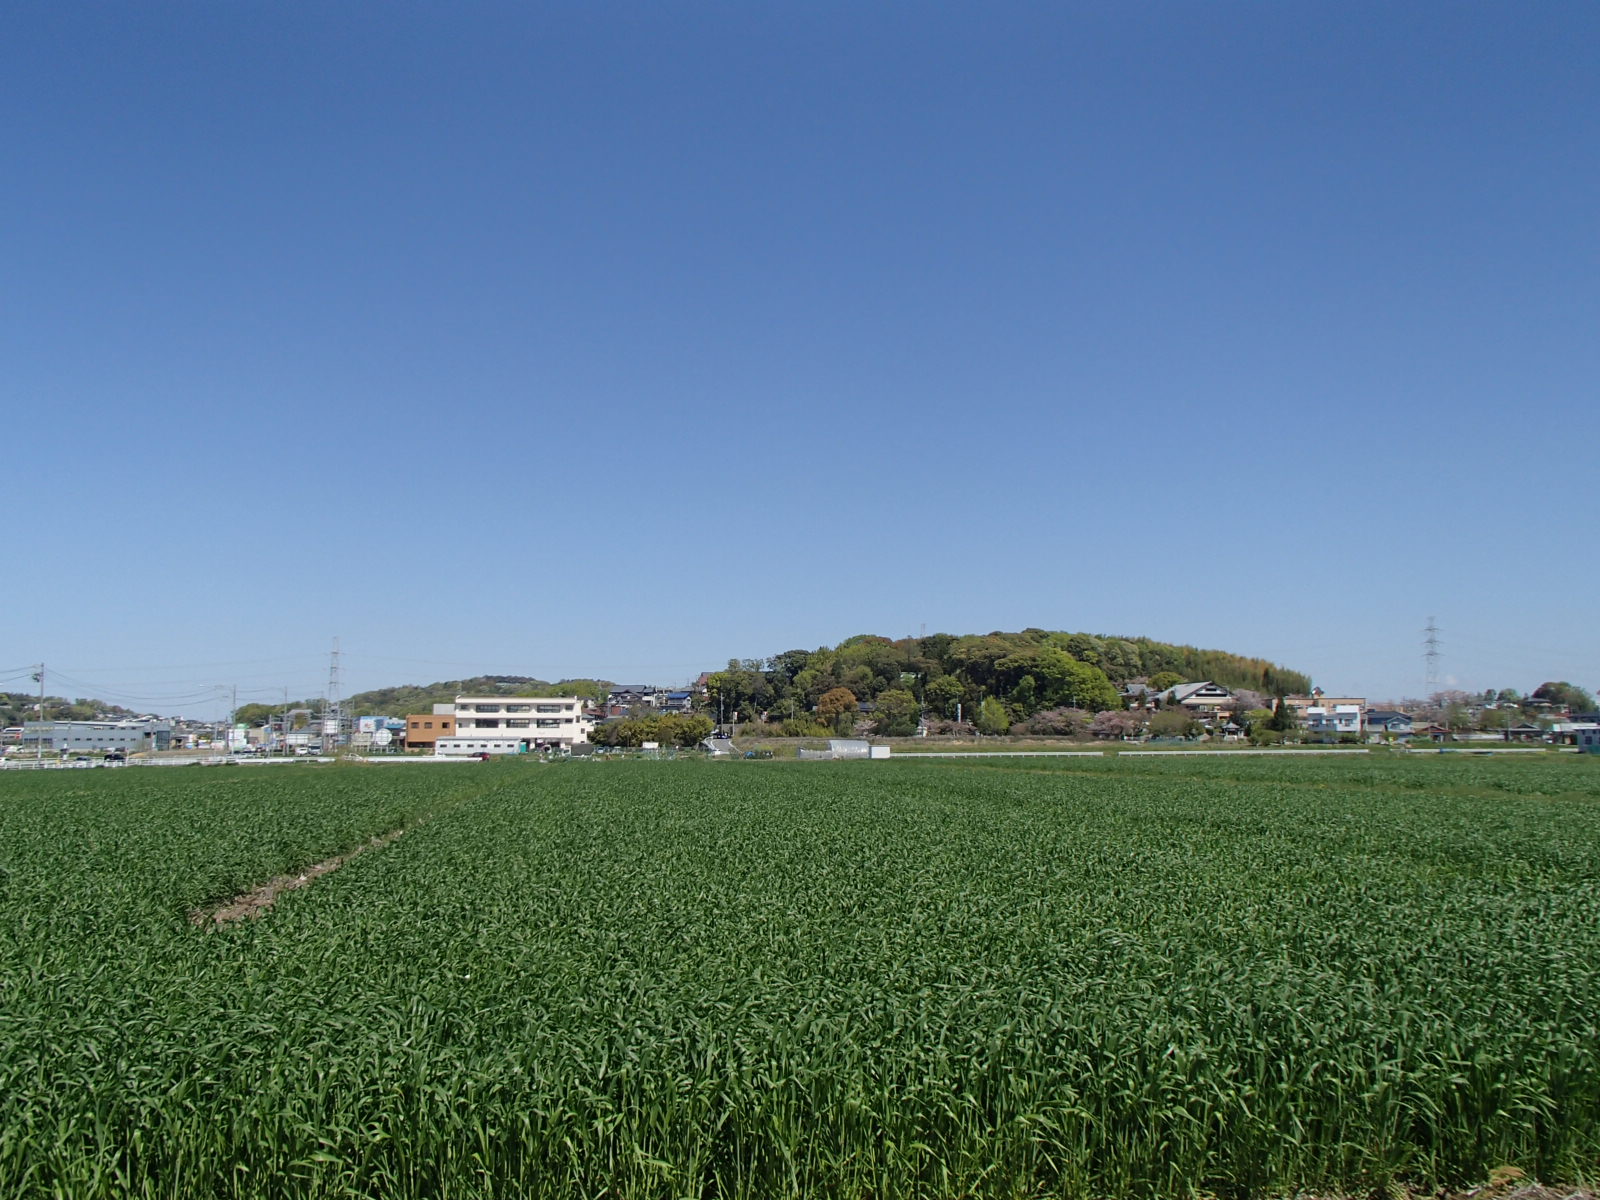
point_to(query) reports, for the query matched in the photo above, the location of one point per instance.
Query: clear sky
(619, 339)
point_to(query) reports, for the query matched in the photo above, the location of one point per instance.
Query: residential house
(1388, 721)
(1572, 733)
(1137, 696)
(624, 698)
(1202, 699)
(1320, 699)
(1333, 720)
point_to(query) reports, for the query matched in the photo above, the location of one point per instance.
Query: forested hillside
(943, 675)
(17, 707)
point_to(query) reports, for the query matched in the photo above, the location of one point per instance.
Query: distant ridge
(1024, 669)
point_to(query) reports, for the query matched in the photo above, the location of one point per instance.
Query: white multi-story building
(515, 724)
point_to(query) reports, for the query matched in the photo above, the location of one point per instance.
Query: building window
(488, 708)
(515, 723)
(511, 708)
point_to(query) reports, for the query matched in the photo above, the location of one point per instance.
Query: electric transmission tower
(1430, 656)
(332, 714)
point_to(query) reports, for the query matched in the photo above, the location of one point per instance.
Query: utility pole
(224, 727)
(38, 740)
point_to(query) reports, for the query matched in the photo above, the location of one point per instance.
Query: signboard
(382, 738)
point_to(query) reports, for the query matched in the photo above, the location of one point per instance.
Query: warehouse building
(77, 737)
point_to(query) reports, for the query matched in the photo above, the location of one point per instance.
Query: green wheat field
(1076, 978)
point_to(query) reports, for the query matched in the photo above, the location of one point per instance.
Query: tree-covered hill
(944, 674)
(17, 707)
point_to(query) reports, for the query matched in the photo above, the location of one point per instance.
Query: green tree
(1564, 693)
(253, 714)
(860, 681)
(1283, 719)
(584, 689)
(1497, 718)
(992, 717)
(898, 713)
(1087, 688)
(1254, 718)
(686, 729)
(1064, 682)
(1174, 722)
(943, 694)
(1162, 680)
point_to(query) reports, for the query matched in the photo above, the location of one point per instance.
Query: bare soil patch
(1505, 1183)
(247, 906)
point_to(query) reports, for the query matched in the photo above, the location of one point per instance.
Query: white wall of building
(460, 747)
(528, 718)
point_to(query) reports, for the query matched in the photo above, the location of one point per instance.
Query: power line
(233, 662)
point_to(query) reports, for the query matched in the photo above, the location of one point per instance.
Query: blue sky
(616, 339)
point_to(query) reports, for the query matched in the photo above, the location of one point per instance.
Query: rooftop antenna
(1430, 656)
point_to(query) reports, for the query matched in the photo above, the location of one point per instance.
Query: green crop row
(770, 979)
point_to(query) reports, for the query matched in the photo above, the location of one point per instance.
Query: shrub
(800, 727)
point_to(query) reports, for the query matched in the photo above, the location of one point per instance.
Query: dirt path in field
(247, 906)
